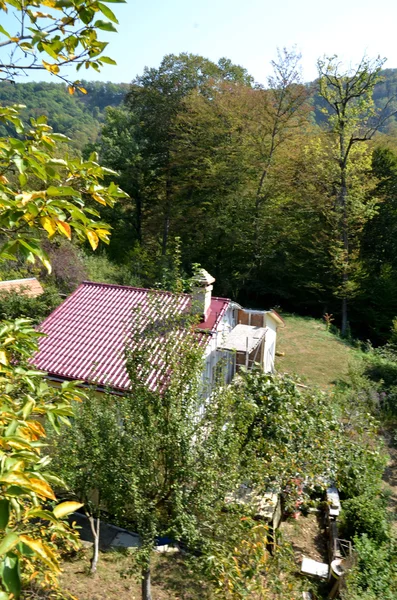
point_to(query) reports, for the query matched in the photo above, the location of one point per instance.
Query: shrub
(366, 514)
(14, 305)
(374, 576)
(100, 268)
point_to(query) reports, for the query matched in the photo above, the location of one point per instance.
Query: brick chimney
(202, 293)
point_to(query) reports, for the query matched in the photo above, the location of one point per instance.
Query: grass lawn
(171, 579)
(316, 355)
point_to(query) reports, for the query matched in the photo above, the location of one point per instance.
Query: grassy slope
(317, 356)
(171, 579)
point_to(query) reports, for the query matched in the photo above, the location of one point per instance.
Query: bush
(374, 576)
(100, 268)
(14, 305)
(366, 514)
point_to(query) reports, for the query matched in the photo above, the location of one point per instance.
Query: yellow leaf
(26, 197)
(71, 90)
(47, 264)
(92, 238)
(3, 358)
(3, 179)
(41, 488)
(50, 68)
(99, 199)
(66, 508)
(42, 551)
(49, 225)
(65, 229)
(37, 429)
(50, 3)
(82, 90)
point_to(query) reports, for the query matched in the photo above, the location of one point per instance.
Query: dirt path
(390, 474)
(307, 537)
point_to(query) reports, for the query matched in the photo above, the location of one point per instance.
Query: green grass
(317, 356)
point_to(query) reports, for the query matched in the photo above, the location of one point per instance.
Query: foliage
(296, 436)
(240, 573)
(375, 575)
(67, 34)
(58, 205)
(25, 480)
(352, 118)
(14, 305)
(90, 457)
(366, 514)
(41, 195)
(78, 115)
(101, 268)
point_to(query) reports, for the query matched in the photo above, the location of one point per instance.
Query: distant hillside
(384, 91)
(79, 115)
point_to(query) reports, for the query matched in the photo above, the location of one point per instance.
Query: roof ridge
(143, 289)
(21, 279)
(133, 287)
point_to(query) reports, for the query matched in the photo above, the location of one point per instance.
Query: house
(27, 287)
(86, 335)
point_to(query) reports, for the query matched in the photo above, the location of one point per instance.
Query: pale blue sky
(248, 32)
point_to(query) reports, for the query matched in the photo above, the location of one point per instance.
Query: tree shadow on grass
(176, 575)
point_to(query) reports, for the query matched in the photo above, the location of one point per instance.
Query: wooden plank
(242, 317)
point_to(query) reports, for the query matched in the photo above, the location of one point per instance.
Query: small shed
(27, 287)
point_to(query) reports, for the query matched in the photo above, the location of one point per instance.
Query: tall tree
(156, 98)
(352, 119)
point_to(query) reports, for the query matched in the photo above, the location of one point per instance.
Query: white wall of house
(212, 356)
(270, 343)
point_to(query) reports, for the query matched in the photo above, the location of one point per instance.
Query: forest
(244, 180)
(286, 193)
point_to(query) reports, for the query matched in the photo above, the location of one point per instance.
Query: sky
(246, 31)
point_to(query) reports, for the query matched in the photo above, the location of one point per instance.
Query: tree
(351, 119)
(156, 99)
(68, 35)
(90, 457)
(41, 195)
(180, 446)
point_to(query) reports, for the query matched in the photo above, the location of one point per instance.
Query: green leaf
(4, 513)
(107, 60)
(107, 12)
(8, 542)
(50, 51)
(4, 32)
(18, 162)
(11, 575)
(105, 25)
(61, 191)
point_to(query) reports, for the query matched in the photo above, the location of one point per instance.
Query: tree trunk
(146, 583)
(95, 533)
(344, 226)
(167, 210)
(345, 242)
(344, 317)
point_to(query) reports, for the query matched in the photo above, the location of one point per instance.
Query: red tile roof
(27, 287)
(86, 335)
